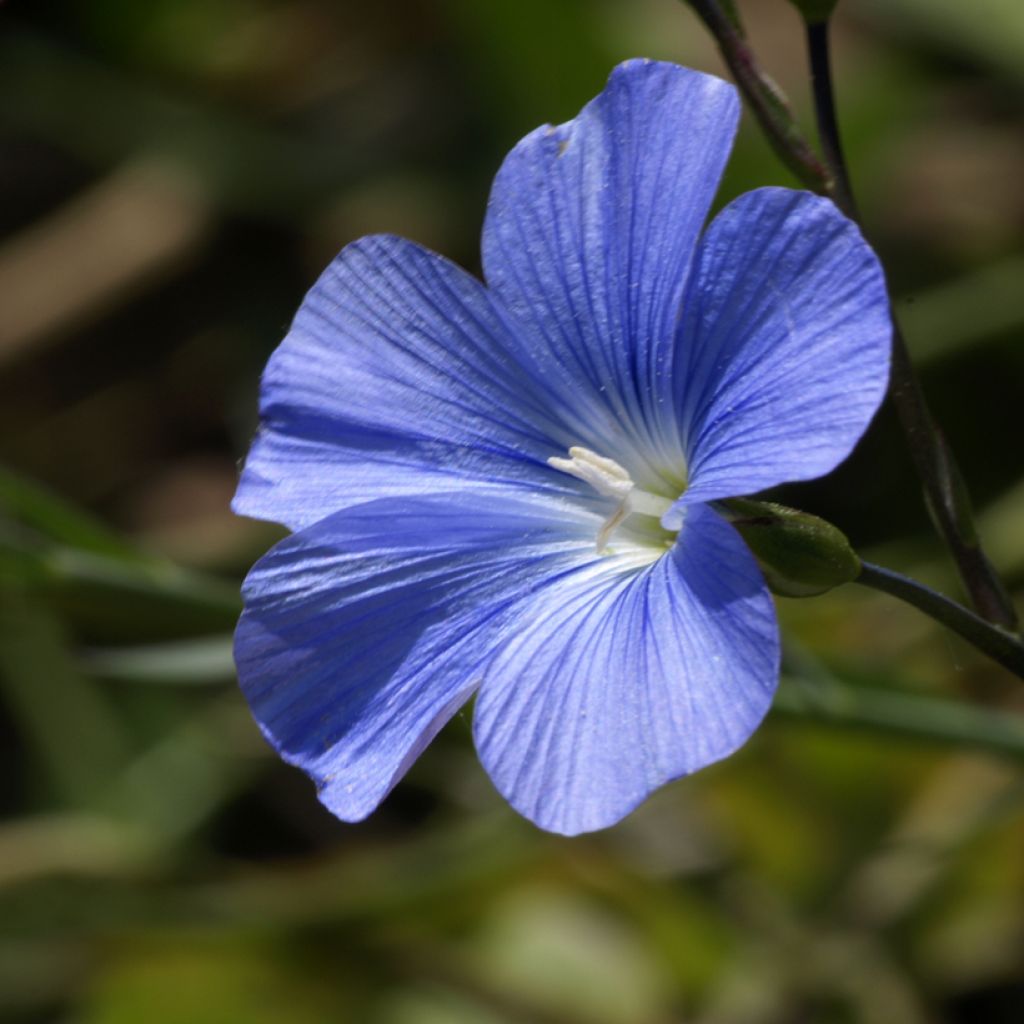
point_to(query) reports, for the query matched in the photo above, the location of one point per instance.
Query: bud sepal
(800, 555)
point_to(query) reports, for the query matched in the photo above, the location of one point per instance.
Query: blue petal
(614, 683)
(589, 236)
(784, 344)
(399, 376)
(364, 634)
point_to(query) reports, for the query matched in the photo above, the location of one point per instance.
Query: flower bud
(799, 554)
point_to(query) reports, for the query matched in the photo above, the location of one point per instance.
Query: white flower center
(611, 480)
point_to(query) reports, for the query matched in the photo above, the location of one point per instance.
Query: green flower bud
(815, 10)
(799, 554)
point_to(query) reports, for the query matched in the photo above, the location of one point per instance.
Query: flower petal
(590, 232)
(399, 376)
(615, 683)
(364, 634)
(784, 344)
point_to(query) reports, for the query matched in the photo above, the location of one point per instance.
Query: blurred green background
(173, 175)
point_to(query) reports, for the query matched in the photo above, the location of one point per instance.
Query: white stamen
(610, 480)
(606, 476)
(608, 527)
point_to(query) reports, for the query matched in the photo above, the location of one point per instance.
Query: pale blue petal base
(611, 685)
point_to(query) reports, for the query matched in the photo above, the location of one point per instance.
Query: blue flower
(505, 489)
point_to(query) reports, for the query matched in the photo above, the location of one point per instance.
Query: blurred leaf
(433, 1004)
(183, 34)
(682, 923)
(61, 554)
(118, 597)
(991, 31)
(973, 920)
(548, 947)
(961, 801)
(132, 818)
(34, 975)
(106, 116)
(953, 316)
(442, 875)
(1002, 526)
(70, 844)
(134, 228)
(209, 980)
(28, 503)
(117, 600)
(827, 699)
(542, 61)
(76, 738)
(201, 661)
(174, 786)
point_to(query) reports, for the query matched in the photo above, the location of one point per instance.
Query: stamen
(610, 480)
(608, 527)
(606, 476)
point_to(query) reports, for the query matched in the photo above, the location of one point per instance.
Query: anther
(610, 480)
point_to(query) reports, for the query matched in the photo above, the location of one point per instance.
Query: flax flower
(505, 488)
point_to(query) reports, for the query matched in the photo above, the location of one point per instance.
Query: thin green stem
(767, 102)
(825, 112)
(999, 644)
(945, 491)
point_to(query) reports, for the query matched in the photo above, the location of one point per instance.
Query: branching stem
(763, 96)
(945, 491)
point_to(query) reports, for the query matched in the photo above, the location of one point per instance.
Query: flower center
(611, 480)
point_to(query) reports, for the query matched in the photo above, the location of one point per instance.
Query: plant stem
(763, 96)
(999, 644)
(945, 491)
(825, 112)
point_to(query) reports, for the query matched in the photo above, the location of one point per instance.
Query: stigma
(611, 480)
